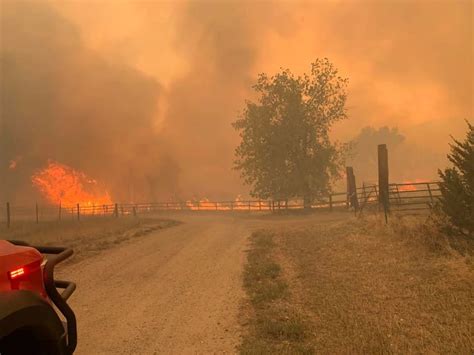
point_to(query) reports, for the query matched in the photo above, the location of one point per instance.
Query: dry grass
(370, 288)
(88, 237)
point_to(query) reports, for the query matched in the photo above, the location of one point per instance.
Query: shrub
(457, 185)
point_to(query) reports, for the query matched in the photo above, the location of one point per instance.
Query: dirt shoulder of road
(88, 237)
(362, 287)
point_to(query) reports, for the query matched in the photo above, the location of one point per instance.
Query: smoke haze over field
(141, 95)
(62, 101)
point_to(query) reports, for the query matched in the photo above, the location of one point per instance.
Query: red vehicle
(34, 317)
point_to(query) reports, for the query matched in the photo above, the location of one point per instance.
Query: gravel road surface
(174, 291)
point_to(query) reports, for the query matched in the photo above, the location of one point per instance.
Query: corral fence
(402, 197)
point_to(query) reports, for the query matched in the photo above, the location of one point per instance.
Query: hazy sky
(410, 65)
(409, 62)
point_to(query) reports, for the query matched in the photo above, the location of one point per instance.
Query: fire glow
(411, 185)
(238, 204)
(60, 183)
(12, 165)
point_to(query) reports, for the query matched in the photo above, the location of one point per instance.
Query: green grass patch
(275, 326)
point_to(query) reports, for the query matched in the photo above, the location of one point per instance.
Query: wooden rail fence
(406, 197)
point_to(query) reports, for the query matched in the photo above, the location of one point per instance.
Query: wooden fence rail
(402, 197)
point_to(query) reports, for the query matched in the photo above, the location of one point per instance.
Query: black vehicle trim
(21, 309)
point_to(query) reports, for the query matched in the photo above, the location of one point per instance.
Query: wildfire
(205, 204)
(14, 163)
(408, 185)
(60, 183)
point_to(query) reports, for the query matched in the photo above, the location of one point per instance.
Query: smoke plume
(64, 102)
(141, 95)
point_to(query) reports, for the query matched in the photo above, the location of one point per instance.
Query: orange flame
(12, 165)
(411, 187)
(238, 204)
(205, 205)
(60, 183)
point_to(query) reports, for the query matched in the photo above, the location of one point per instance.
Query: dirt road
(174, 291)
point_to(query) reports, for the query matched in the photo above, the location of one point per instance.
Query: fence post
(330, 202)
(398, 195)
(134, 211)
(37, 217)
(383, 179)
(8, 214)
(249, 205)
(259, 205)
(78, 212)
(116, 210)
(216, 206)
(364, 195)
(348, 188)
(352, 199)
(431, 195)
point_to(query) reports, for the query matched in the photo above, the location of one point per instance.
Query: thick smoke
(221, 42)
(63, 102)
(405, 165)
(410, 65)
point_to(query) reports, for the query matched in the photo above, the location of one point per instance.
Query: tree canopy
(285, 151)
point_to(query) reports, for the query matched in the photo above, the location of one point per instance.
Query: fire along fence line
(41, 213)
(403, 197)
(414, 197)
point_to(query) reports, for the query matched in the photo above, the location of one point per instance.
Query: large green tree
(285, 151)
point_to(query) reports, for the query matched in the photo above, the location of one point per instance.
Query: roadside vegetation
(457, 188)
(88, 237)
(359, 286)
(274, 324)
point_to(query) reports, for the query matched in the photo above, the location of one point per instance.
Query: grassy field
(358, 286)
(87, 237)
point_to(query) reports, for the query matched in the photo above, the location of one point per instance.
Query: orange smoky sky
(410, 65)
